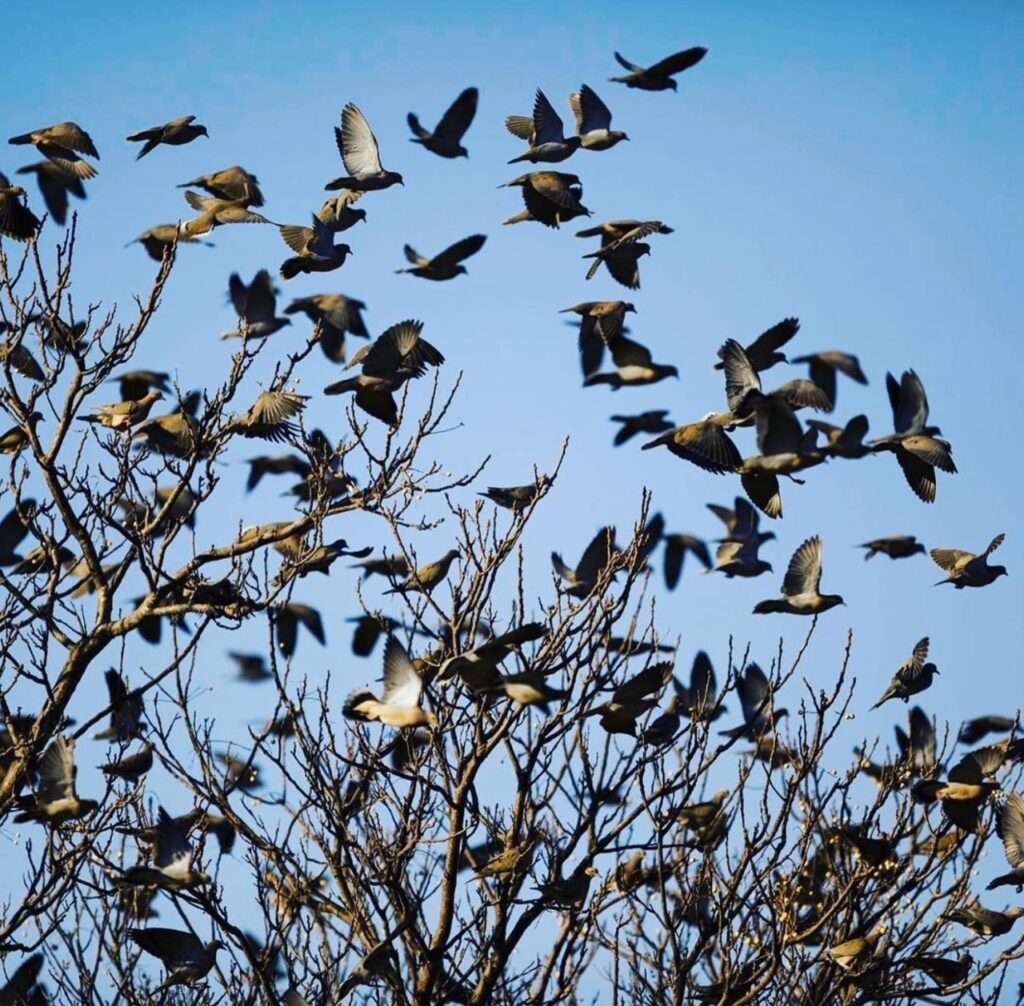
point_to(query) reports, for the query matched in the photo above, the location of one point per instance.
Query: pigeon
(477, 668)
(269, 417)
(124, 415)
(446, 264)
(62, 144)
(380, 962)
(632, 699)
(55, 800)
(551, 198)
(966, 569)
(252, 667)
(600, 321)
(986, 921)
(126, 710)
(446, 139)
(426, 578)
(759, 713)
(214, 212)
(568, 892)
(233, 184)
(634, 365)
(622, 246)
(337, 211)
(676, 547)
(593, 121)
(314, 247)
(740, 558)
(763, 353)
(654, 421)
(177, 132)
(131, 767)
(741, 523)
(287, 620)
(823, 368)
(659, 76)
(389, 566)
(186, 958)
(23, 988)
(337, 316)
(528, 689)
(399, 704)
(256, 307)
(517, 498)
(55, 185)
(544, 132)
(158, 241)
(699, 701)
(843, 441)
(703, 443)
(1010, 826)
(913, 675)
(136, 384)
(596, 556)
(17, 221)
(360, 154)
(800, 586)
(853, 953)
(972, 731)
(14, 529)
(895, 546)
(16, 355)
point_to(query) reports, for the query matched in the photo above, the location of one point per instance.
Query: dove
(289, 617)
(399, 704)
(517, 498)
(55, 801)
(131, 767)
(972, 731)
(214, 212)
(446, 264)
(551, 197)
(234, 183)
(446, 139)
(186, 958)
(659, 76)
(634, 365)
(843, 441)
(800, 588)
(703, 443)
(62, 144)
(337, 316)
(763, 353)
(269, 417)
(1010, 828)
(759, 714)
(14, 529)
(16, 355)
(913, 675)
(632, 699)
(256, 307)
(314, 247)
(654, 421)
(126, 710)
(596, 556)
(158, 241)
(360, 155)
(740, 558)
(853, 953)
(593, 121)
(895, 546)
(622, 246)
(55, 185)
(966, 569)
(986, 921)
(823, 368)
(124, 415)
(17, 221)
(177, 132)
(426, 578)
(544, 132)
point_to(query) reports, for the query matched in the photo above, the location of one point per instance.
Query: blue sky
(857, 167)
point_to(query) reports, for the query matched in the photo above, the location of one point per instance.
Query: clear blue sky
(856, 166)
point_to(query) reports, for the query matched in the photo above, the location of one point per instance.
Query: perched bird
(530, 688)
(380, 962)
(256, 307)
(843, 441)
(446, 264)
(800, 586)
(632, 699)
(704, 443)
(124, 415)
(568, 892)
(127, 709)
(660, 75)
(269, 417)
(214, 212)
(399, 355)
(634, 365)
(55, 185)
(596, 556)
(158, 241)
(44, 559)
(823, 368)
(517, 498)
(593, 121)
(543, 132)
(187, 959)
(177, 132)
(986, 921)
(700, 815)
(622, 247)
(763, 353)
(360, 154)
(941, 970)
(62, 144)
(756, 702)
(600, 321)
(234, 183)
(654, 421)
(966, 569)
(972, 731)
(1010, 826)
(895, 546)
(912, 676)
(314, 247)
(131, 767)
(853, 953)
(446, 139)
(426, 578)
(551, 197)
(399, 704)
(177, 433)
(55, 800)
(16, 219)
(288, 618)
(337, 316)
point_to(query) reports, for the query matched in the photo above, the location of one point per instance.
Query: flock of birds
(786, 446)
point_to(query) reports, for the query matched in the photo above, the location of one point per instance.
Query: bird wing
(922, 741)
(740, 375)
(553, 186)
(590, 111)
(778, 429)
(855, 430)
(520, 126)
(847, 364)
(273, 407)
(706, 445)
(261, 302)
(801, 393)
(201, 204)
(674, 553)
(402, 685)
(624, 265)
(297, 238)
(380, 404)
(626, 65)
(993, 545)
(596, 555)
(455, 253)
(703, 684)
(56, 772)
(754, 693)
(650, 681)
(311, 619)
(413, 257)
(950, 558)
(919, 474)
(677, 62)
(172, 946)
(547, 124)
(627, 353)
(357, 144)
(416, 127)
(457, 119)
(172, 846)
(824, 376)
(931, 451)
(1010, 824)
(804, 573)
(920, 655)
(54, 185)
(774, 338)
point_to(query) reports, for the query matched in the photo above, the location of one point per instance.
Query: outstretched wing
(357, 144)
(804, 573)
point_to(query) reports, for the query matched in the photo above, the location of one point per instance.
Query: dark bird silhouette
(233, 184)
(632, 699)
(446, 264)
(800, 588)
(446, 139)
(252, 667)
(551, 198)
(288, 618)
(337, 316)
(593, 121)
(756, 702)
(186, 958)
(740, 558)
(517, 498)
(55, 186)
(131, 767)
(634, 365)
(62, 144)
(1010, 826)
(17, 221)
(127, 709)
(895, 546)
(699, 701)
(600, 320)
(426, 578)
(282, 464)
(741, 523)
(135, 384)
(966, 569)
(16, 355)
(256, 307)
(676, 548)
(654, 421)
(368, 630)
(825, 365)
(972, 731)
(843, 441)
(177, 132)
(659, 76)
(622, 247)
(763, 353)
(913, 675)
(360, 154)
(478, 668)
(14, 529)
(23, 988)
(583, 579)
(544, 132)
(314, 247)
(55, 800)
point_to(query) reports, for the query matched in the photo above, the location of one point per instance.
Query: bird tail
(591, 379)
(665, 438)
(939, 583)
(885, 698)
(595, 265)
(24, 138)
(291, 268)
(339, 183)
(769, 607)
(521, 217)
(519, 159)
(340, 387)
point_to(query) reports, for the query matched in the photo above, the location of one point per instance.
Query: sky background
(857, 167)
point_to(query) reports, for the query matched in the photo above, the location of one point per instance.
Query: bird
(252, 667)
(756, 694)
(1010, 828)
(215, 212)
(17, 221)
(632, 699)
(972, 731)
(177, 132)
(704, 443)
(337, 316)
(517, 498)
(131, 767)
(62, 144)
(281, 464)
(256, 307)
(55, 185)
(529, 688)
(763, 353)
(135, 384)
(551, 197)
(124, 415)
(700, 815)
(368, 630)
(23, 988)
(622, 247)
(895, 546)
(941, 970)
(966, 569)
(127, 709)
(634, 365)
(158, 241)
(360, 155)
(543, 132)
(446, 139)
(55, 801)
(740, 558)
(16, 355)
(269, 417)
(389, 566)
(914, 675)
(240, 773)
(986, 921)
(398, 355)
(233, 184)
(653, 421)
(659, 76)
(843, 441)
(314, 247)
(568, 892)
(600, 320)
(426, 578)
(823, 368)
(446, 264)
(593, 120)
(380, 962)
(676, 548)
(399, 704)
(800, 588)
(853, 953)
(745, 395)
(177, 433)
(187, 959)
(43, 559)
(14, 529)
(699, 701)
(583, 580)
(338, 213)
(741, 522)
(478, 668)
(287, 619)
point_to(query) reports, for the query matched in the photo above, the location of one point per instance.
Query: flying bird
(127, 709)
(426, 578)
(446, 139)
(337, 316)
(360, 154)
(756, 703)
(634, 365)
(171, 854)
(55, 800)
(256, 307)
(287, 619)
(551, 198)
(1010, 827)
(543, 132)
(187, 959)
(62, 144)
(446, 264)
(825, 365)
(55, 185)
(583, 579)
(622, 247)
(215, 212)
(600, 321)
(593, 121)
(895, 546)
(177, 132)
(966, 569)
(399, 704)
(800, 588)
(157, 241)
(740, 558)
(632, 699)
(232, 184)
(17, 221)
(843, 441)
(653, 421)
(314, 247)
(659, 76)
(913, 675)
(338, 213)
(704, 443)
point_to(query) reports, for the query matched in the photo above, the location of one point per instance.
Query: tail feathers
(24, 138)
(291, 268)
(340, 387)
(769, 607)
(665, 438)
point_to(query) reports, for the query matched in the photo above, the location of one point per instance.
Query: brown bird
(16, 439)
(399, 704)
(763, 353)
(551, 198)
(593, 121)
(337, 316)
(1010, 827)
(823, 368)
(972, 731)
(14, 529)
(446, 264)
(176, 434)
(659, 76)
(800, 588)
(270, 416)
(634, 365)
(389, 566)
(360, 154)
(596, 556)
(187, 959)
(177, 132)
(287, 620)
(55, 800)
(703, 443)
(131, 767)
(16, 219)
(314, 247)
(912, 676)
(740, 558)
(986, 921)
(426, 578)
(234, 183)
(895, 546)
(622, 248)
(55, 185)
(741, 523)
(256, 307)
(214, 212)
(543, 132)
(62, 144)
(853, 953)
(15, 354)
(446, 139)
(157, 241)
(124, 415)
(632, 699)
(337, 211)
(600, 321)
(967, 569)
(654, 421)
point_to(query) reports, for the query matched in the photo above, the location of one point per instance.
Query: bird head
(463, 152)
(671, 371)
(37, 417)
(673, 83)
(398, 178)
(461, 270)
(201, 131)
(216, 945)
(929, 668)
(359, 215)
(998, 571)
(628, 306)
(620, 135)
